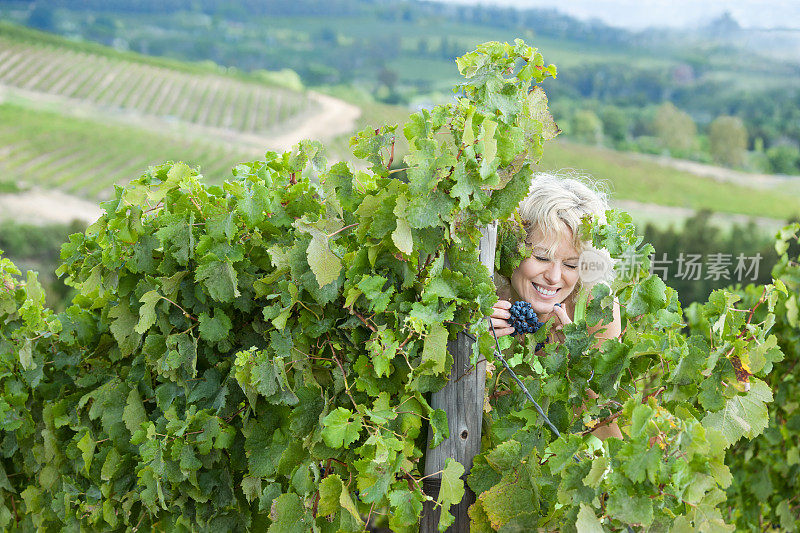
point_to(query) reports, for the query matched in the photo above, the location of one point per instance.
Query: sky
(640, 14)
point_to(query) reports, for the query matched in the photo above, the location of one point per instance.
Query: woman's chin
(542, 307)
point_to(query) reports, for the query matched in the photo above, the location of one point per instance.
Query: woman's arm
(612, 330)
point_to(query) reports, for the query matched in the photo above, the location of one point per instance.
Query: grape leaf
(587, 521)
(134, 413)
(435, 348)
(216, 328)
(451, 491)
(288, 515)
(648, 296)
(339, 430)
(744, 415)
(122, 327)
(325, 265)
(219, 278)
(147, 314)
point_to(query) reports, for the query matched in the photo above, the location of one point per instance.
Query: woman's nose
(553, 273)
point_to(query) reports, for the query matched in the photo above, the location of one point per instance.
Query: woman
(550, 278)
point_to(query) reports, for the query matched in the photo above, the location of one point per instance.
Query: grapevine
(260, 355)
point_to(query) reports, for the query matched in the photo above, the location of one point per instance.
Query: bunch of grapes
(524, 320)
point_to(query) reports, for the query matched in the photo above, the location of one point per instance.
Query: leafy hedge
(259, 355)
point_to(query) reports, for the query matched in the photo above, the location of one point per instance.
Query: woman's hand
(562, 316)
(499, 318)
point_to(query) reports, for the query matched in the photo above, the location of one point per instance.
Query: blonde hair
(556, 201)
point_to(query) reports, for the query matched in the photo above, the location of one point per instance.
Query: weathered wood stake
(462, 399)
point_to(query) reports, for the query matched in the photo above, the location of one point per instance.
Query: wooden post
(462, 400)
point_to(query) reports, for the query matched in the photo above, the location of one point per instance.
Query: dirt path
(40, 207)
(722, 174)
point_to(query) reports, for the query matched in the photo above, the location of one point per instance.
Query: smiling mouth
(545, 292)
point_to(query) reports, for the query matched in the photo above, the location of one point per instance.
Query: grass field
(630, 178)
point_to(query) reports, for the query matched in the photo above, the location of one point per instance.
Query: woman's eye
(571, 267)
(540, 258)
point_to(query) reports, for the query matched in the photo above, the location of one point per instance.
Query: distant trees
(728, 140)
(674, 128)
(587, 127)
(615, 123)
(784, 159)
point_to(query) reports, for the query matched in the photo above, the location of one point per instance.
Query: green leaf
(744, 415)
(86, 445)
(441, 430)
(147, 312)
(648, 296)
(587, 521)
(600, 467)
(219, 278)
(111, 464)
(134, 414)
(406, 509)
(639, 462)
(189, 461)
(787, 518)
(536, 108)
(505, 456)
(26, 356)
(323, 262)
(630, 509)
(251, 487)
(341, 428)
(214, 329)
(122, 327)
(288, 515)
(488, 161)
(333, 495)
(435, 348)
(401, 236)
(451, 491)
(254, 204)
(330, 488)
(564, 450)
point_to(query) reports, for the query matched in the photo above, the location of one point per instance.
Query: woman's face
(543, 281)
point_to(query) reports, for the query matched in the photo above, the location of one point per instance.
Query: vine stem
(346, 385)
(412, 479)
(753, 310)
(340, 230)
(14, 507)
(370, 326)
(403, 344)
(602, 423)
(157, 206)
(369, 516)
(391, 156)
(136, 527)
(234, 415)
(191, 198)
(185, 313)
